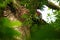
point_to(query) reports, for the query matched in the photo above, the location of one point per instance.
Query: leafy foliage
(47, 31)
(33, 3)
(38, 28)
(44, 32)
(57, 22)
(6, 32)
(3, 3)
(16, 23)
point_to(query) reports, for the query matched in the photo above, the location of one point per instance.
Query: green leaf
(16, 23)
(24, 16)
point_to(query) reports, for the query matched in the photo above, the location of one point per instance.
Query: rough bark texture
(25, 30)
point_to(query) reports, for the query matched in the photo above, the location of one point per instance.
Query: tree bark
(53, 6)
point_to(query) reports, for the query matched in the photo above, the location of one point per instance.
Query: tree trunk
(15, 15)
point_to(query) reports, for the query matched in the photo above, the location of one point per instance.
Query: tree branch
(53, 6)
